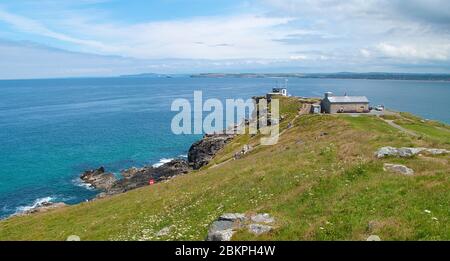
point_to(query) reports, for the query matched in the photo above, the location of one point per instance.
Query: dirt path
(398, 127)
(304, 110)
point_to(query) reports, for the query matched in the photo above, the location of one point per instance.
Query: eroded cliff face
(200, 153)
(141, 177)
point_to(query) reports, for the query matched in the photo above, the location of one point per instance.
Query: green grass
(431, 130)
(317, 186)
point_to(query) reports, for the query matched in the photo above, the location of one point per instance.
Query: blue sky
(67, 38)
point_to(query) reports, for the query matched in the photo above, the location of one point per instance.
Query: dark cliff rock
(199, 155)
(202, 151)
(98, 178)
(133, 177)
(141, 177)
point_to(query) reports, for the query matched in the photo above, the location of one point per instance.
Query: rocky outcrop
(259, 229)
(43, 207)
(133, 177)
(398, 169)
(202, 151)
(98, 178)
(262, 218)
(199, 155)
(136, 178)
(226, 225)
(407, 152)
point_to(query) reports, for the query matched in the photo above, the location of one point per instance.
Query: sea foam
(162, 162)
(37, 203)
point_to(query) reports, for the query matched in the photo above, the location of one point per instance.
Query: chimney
(328, 94)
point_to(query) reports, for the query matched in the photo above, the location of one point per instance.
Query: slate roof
(348, 99)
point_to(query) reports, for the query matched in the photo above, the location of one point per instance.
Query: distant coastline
(341, 75)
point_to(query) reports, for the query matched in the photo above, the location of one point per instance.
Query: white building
(277, 92)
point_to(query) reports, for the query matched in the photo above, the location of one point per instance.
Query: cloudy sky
(61, 38)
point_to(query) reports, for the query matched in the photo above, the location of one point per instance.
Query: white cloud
(409, 51)
(302, 34)
(31, 26)
(229, 37)
(365, 53)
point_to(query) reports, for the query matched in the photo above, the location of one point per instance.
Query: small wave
(161, 162)
(37, 203)
(79, 183)
(184, 156)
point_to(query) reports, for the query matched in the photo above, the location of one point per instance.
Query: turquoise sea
(53, 130)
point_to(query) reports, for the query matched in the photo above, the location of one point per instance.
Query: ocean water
(53, 130)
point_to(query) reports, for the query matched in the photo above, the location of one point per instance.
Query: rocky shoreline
(200, 154)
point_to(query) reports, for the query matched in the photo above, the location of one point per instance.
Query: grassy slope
(318, 187)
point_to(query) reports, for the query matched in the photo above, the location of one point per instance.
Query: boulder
(73, 238)
(409, 152)
(406, 152)
(262, 218)
(398, 168)
(221, 230)
(98, 178)
(437, 151)
(386, 151)
(202, 151)
(225, 226)
(259, 229)
(222, 235)
(233, 217)
(373, 238)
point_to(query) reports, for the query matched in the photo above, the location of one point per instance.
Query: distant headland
(339, 75)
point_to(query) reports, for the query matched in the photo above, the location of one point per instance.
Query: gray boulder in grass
(398, 169)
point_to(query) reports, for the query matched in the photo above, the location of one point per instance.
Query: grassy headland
(320, 182)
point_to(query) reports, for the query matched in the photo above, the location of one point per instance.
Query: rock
(221, 230)
(262, 218)
(225, 226)
(233, 217)
(222, 235)
(386, 151)
(398, 168)
(128, 173)
(259, 229)
(409, 152)
(437, 151)
(73, 238)
(142, 176)
(98, 178)
(373, 238)
(221, 225)
(43, 207)
(164, 231)
(202, 151)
